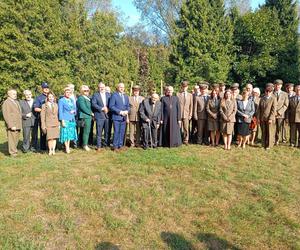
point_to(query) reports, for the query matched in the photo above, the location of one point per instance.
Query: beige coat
(133, 115)
(12, 114)
(267, 109)
(200, 112)
(186, 106)
(282, 104)
(228, 110)
(294, 109)
(49, 116)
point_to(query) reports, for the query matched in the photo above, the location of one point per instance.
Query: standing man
(282, 105)
(150, 112)
(289, 88)
(294, 111)
(200, 115)
(186, 108)
(100, 102)
(108, 91)
(134, 118)
(12, 115)
(37, 107)
(170, 119)
(28, 119)
(266, 117)
(119, 105)
(236, 91)
(222, 88)
(193, 136)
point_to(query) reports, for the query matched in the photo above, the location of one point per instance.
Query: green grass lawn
(193, 197)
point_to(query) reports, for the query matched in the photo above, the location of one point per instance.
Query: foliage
(257, 46)
(202, 47)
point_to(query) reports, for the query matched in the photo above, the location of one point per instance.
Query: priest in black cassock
(170, 120)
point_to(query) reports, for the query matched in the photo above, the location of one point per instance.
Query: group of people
(200, 117)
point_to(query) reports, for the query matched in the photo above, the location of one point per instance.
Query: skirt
(68, 133)
(213, 125)
(52, 133)
(243, 129)
(227, 128)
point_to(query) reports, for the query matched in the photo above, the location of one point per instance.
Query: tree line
(84, 42)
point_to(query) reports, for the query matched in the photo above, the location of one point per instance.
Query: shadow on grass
(106, 246)
(176, 241)
(213, 242)
(4, 148)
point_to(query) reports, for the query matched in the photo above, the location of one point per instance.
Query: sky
(133, 16)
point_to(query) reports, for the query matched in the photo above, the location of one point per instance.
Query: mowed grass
(193, 197)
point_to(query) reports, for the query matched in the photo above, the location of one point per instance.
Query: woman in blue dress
(66, 114)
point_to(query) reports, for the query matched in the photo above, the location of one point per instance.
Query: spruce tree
(203, 43)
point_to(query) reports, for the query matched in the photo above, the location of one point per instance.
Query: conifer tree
(203, 43)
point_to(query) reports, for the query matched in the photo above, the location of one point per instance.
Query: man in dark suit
(100, 101)
(150, 113)
(28, 119)
(108, 91)
(119, 105)
(37, 107)
(193, 134)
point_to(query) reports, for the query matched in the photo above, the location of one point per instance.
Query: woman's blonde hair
(83, 88)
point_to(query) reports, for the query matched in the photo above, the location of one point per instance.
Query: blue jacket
(38, 102)
(97, 105)
(65, 107)
(116, 105)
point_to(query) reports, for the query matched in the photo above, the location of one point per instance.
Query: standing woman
(85, 115)
(213, 108)
(66, 115)
(227, 112)
(245, 112)
(254, 125)
(50, 122)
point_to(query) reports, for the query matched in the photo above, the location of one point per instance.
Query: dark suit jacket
(27, 121)
(98, 105)
(146, 112)
(116, 105)
(249, 110)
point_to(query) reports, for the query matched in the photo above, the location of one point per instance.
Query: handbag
(253, 123)
(80, 123)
